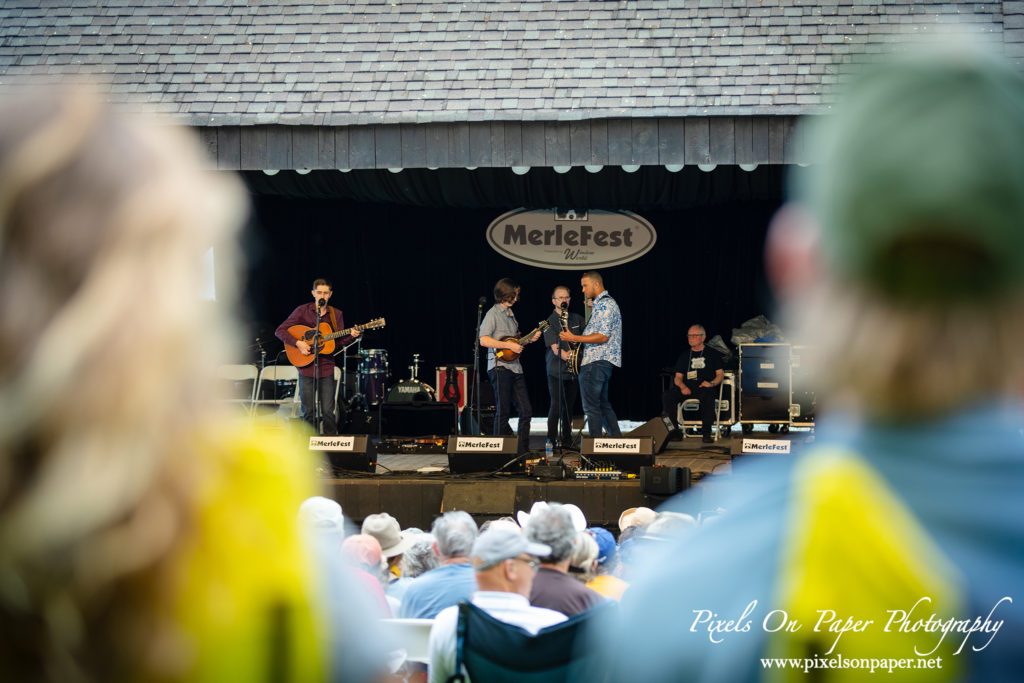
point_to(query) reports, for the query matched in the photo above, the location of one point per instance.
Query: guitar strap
(334, 323)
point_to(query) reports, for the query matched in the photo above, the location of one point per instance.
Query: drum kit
(368, 386)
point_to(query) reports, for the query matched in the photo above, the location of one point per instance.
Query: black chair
(495, 652)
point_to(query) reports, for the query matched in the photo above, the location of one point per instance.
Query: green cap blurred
(921, 187)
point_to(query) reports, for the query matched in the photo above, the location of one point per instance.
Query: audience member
(636, 517)
(124, 483)
(501, 522)
(579, 521)
(607, 583)
(322, 519)
(393, 542)
(552, 525)
(504, 563)
(418, 559)
(428, 594)
(896, 531)
(362, 554)
(583, 563)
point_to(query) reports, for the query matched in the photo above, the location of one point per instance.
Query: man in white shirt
(505, 563)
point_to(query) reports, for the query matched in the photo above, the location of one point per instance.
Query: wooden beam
(502, 144)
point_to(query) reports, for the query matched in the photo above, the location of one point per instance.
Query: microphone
(564, 305)
(320, 303)
(482, 301)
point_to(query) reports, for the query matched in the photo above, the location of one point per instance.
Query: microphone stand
(319, 423)
(475, 399)
(561, 390)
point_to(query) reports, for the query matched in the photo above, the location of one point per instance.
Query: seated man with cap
(504, 562)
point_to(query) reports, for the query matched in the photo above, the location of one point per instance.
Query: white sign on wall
(571, 239)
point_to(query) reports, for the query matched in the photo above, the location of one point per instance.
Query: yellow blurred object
(854, 555)
(243, 583)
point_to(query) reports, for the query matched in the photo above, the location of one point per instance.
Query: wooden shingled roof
(237, 67)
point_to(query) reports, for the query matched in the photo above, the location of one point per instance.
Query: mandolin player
(499, 334)
(313, 314)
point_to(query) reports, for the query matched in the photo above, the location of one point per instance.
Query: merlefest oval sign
(571, 240)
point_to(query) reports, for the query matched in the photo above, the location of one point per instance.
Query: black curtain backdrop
(411, 247)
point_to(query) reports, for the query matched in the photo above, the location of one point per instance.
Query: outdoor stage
(415, 488)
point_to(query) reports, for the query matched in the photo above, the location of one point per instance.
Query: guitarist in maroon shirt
(314, 314)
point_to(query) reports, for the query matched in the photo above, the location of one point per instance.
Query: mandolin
(508, 355)
(325, 341)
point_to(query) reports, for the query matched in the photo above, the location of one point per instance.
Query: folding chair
(411, 635)
(688, 415)
(495, 652)
(238, 384)
(278, 388)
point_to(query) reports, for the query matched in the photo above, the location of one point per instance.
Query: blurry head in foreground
(106, 355)
(902, 259)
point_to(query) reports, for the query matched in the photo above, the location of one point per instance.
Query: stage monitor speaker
(347, 451)
(664, 481)
(626, 454)
(483, 454)
(658, 428)
(468, 421)
(417, 419)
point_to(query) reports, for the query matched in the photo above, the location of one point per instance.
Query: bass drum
(411, 391)
(373, 374)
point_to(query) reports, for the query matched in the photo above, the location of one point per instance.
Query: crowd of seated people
(542, 573)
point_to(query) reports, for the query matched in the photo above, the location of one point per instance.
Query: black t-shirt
(551, 337)
(704, 363)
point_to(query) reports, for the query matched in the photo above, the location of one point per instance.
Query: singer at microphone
(563, 387)
(316, 315)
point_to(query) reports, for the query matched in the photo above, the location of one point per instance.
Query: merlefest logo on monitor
(570, 239)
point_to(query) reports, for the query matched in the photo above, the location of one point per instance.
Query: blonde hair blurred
(583, 562)
(106, 355)
(883, 359)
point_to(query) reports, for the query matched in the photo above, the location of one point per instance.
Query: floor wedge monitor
(626, 454)
(347, 451)
(483, 454)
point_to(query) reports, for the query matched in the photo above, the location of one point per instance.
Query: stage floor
(416, 487)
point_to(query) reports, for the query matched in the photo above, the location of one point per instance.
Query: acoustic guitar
(325, 341)
(508, 355)
(574, 349)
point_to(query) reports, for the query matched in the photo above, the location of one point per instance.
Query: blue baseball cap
(606, 548)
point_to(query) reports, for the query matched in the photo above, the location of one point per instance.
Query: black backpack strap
(460, 641)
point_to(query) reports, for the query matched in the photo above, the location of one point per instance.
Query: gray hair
(454, 533)
(553, 527)
(420, 557)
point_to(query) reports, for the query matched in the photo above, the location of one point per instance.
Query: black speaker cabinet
(417, 419)
(347, 452)
(657, 428)
(467, 421)
(483, 454)
(664, 481)
(626, 453)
